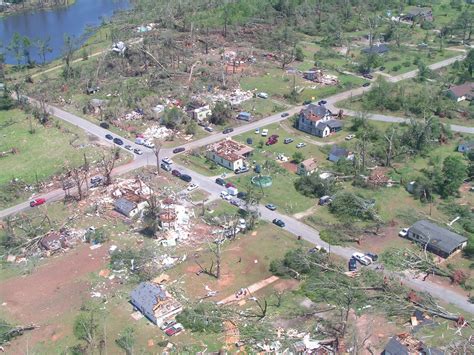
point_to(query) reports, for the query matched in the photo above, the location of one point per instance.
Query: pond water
(73, 20)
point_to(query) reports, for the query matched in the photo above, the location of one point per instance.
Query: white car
(361, 258)
(167, 160)
(262, 95)
(350, 136)
(264, 132)
(225, 195)
(403, 233)
(192, 187)
(149, 145)
(300, 145)
(257, 131)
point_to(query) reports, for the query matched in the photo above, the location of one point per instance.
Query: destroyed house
(228, 153)
(423, 13)
(316, 120)
(406, 344)
(338, 153)
(461, 92)
(437, 240)
(126, 207)
(154, 302)
(379, 48)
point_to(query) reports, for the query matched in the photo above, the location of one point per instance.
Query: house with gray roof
(154, 302)
(338, 153)
(126, 207)
(437, 240)
(317, 120)
(378, 48)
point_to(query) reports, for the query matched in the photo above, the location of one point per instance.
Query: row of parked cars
(364, 259)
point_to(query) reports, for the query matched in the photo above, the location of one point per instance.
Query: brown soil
(49, 293)
(291, 167)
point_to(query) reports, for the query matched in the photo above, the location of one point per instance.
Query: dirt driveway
(53, 291)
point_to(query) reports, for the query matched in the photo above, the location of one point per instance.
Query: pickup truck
(361, 258)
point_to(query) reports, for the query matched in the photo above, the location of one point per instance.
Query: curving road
(293, 225)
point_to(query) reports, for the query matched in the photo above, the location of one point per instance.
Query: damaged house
(154, 302)
(228, 153)
(317, 120)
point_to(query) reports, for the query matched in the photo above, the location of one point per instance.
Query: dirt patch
(286, 285)
(50, 293)
(291, 167)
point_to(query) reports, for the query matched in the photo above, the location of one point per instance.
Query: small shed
(126, 207)
(244, 116)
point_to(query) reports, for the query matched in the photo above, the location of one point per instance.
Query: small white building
(201, 113)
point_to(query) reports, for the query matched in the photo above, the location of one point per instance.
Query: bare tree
(156, 151)
(107, 164)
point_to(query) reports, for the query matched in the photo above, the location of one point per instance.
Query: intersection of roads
(208, 184)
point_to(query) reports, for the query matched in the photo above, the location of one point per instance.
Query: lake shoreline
(19, 9)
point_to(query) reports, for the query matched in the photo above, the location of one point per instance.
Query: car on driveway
(192, 187)
(366, 84)
(285, 114)
(271, 207)
(225, 195)
(403, 233)
(209, 129)
(109, 137)
(349, 137)
(178, 150)
(241, 170)
(176, 173)
(167, 324)
(279, 222)
(138, 151)
(37, 202)
(173, 330)
(372, 256)
(367, 76)
(228, 130)
(220, 181)
(300, 145)
(118, 141)
(288, 140)
(352, 264)
(361, 258)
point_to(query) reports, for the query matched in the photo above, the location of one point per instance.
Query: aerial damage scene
(237, 176)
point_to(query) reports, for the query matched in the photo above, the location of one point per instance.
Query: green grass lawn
(261, 107)
(42, 154)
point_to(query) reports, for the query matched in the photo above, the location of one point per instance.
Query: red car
(176, 173)
(175, 329)
(37, 202)
(229, 184)
(271, 141)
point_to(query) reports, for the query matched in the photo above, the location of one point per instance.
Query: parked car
(372, 256)
(403, 233)
(257, 169)
(271, 207)
(262, 95)
(235, 202)
(241, 170)
(242, 195)
(178, 150)
(367, 76)
(279, 222)
(166, 167)
(349, 137)
(300, 145)
(249, 141)
(228, 130)
(325, 200)
(366, 84)
(176, 173)
(118, 141)
(138, 151)
(185, 177)
(167, 324)
(167, 160)
(96, 181)
(257, 130)
(104, 125)
(37, 202)
(352, 264)
(220, 181)
(382, 68)
(225, 195)
(209, 129)
(264, 132)
(173, 330)
(361, 258)
(140, 140)
(109, 137)
(229, 184)
(149, 144)
(191, 186)
(285, 114)
(271, 141)
(322, 102)
(288, 140)
(128, 147)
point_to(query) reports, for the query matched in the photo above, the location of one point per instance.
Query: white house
(228, 153)
(201, 113)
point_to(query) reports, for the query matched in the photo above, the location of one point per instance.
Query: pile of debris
(318, 76)
(235, 98)
(158, 132)
(378, 177)
(136, 114)
(61, 240)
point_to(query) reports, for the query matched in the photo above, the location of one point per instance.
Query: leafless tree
(107, 164)
(156, 151)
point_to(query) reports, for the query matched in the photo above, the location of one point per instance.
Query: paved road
(292, 225)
